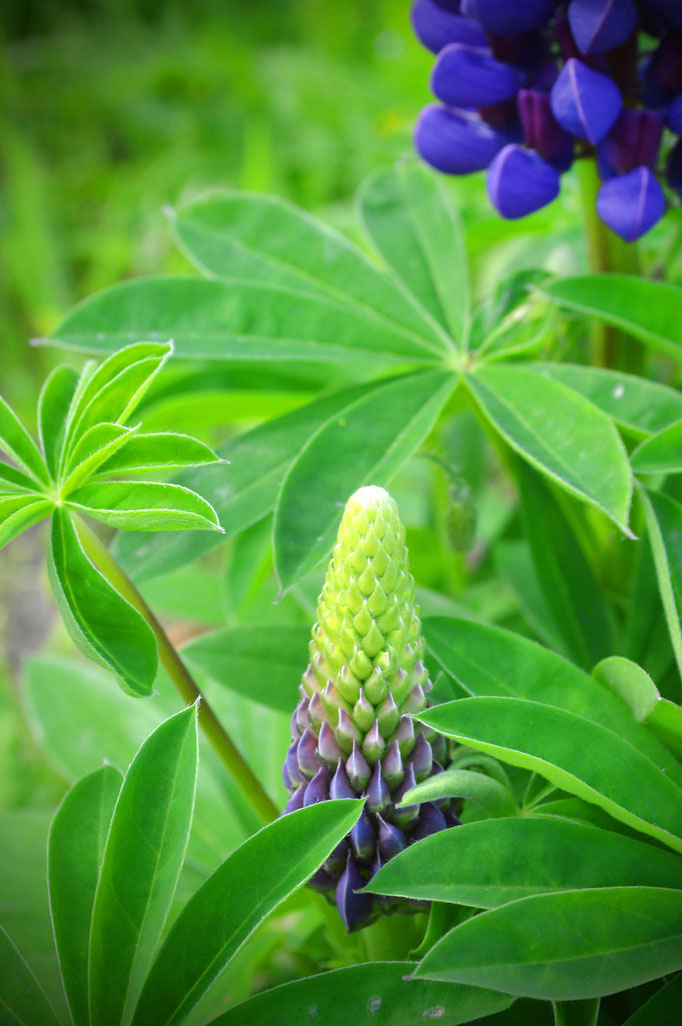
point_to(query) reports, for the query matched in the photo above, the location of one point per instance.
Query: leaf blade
(20, 993)
(144, 506)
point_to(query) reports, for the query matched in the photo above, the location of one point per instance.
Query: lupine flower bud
(541, 131)
(510, 17)
(469, 76)
(455, 143)
(634, 141)
(585, 102)
(353, 735)
(520, 182)
(600, 25)
(436, 27)
(631, 204)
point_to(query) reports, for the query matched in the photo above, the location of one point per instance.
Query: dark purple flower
(306, 753)
(526, 51)
(520, 182)
(455, 143)
(509, 17)
(468, 76)
(585, 102)
(673, 168)
(541, 132)
(673, 116)
(449, 5)
(362, 837)
(631, 204)
(391, 838)
(436, 27)
(354, 907)
(634, 141)
(663, 73)
(431, 821)
(318, 788)
(600, 25)
(378, 795)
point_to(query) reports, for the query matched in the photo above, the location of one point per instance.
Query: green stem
(583, 1012)
(607, 252)
(181, 677)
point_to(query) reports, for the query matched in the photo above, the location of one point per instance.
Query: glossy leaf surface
(664, 524)
(22, 1001)
(144, 506)
(660, 454)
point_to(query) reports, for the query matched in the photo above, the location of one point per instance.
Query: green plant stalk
(181, 677)
(606, 252)
(576, 1013)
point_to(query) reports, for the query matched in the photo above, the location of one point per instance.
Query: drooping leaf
(18, 513)
(662, 1007)
(574, 754)
(364, 444)
(92, 449)
(144, 852)
(560, 433)
(144, 506)
(494, 861)
(54, 404)
(636, 688)
(569, 586)
(365, 995)
(22, 1000)
(408, 217)
(487, 660)
(646, 309)
(262, 662)
(664, 526)
(460, 783)
(660, 454)
(638, 406)
(592, 942)
(20, 447)
(102, 624)
(241, 493)
(75, 848)
(162, 451)
(223, 913)
(238, 320)
(263, 238)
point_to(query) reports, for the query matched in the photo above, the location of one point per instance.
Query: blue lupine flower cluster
(527, 86)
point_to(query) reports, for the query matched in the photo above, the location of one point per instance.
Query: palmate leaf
(144, 506)
(364, 995)
(22, 1000)
(495, 861)
(660, 454)
(157, 451)
(664, 525)
(142, 859)
(593, 942)
(75, 846)
(573, 753)
(20, 447)
(18, 513)
(224, 912)
(102, 624)
(92, 450)
(14, 480)
(54, 404)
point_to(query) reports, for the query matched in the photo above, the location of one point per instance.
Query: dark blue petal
(510, 17)
(340, 786)
(296, 801)
(455, 143)
(421, 758)
(520, 182)
(306, 753)
(362, 837)
(631, 204)
(449, 5)
(435, 27)
(673, 116)
(600, 25)
(391, 838)
(542, 132)
(378, 795)
(338, 858)
(354, 908)
(357, 769)
(468, 76)
(431, 821)
(526, 51)
(634, 141)
(318, 788)
(291, 763)
(585, 102)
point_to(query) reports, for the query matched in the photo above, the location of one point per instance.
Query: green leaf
(142, 860)
(144, 506)
(648, 310)
(264, 239)
(646, 632)
(565, 946)
(488, 660)
(638, 406)
(22, 1000)
(636, 688)
(573, 753)
(364, 444)
(241, 493)
(461, 783)
(263, 662)
(664, 525)
(364, 995)
(158, 451)
(660, 454)
(237, 320)
(663, 1007)
(494, 861)
(14, 480)
(560, 433)
(75, 846)
(570, 589)
(92, 449)
(20, 447)
(515, 566)
(408, 217)
(102, 624)
(54, 404)
(224, 912)
(18, 513)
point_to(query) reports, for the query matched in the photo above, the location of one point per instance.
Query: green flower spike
(352, 731)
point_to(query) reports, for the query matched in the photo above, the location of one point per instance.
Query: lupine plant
(465, 738)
